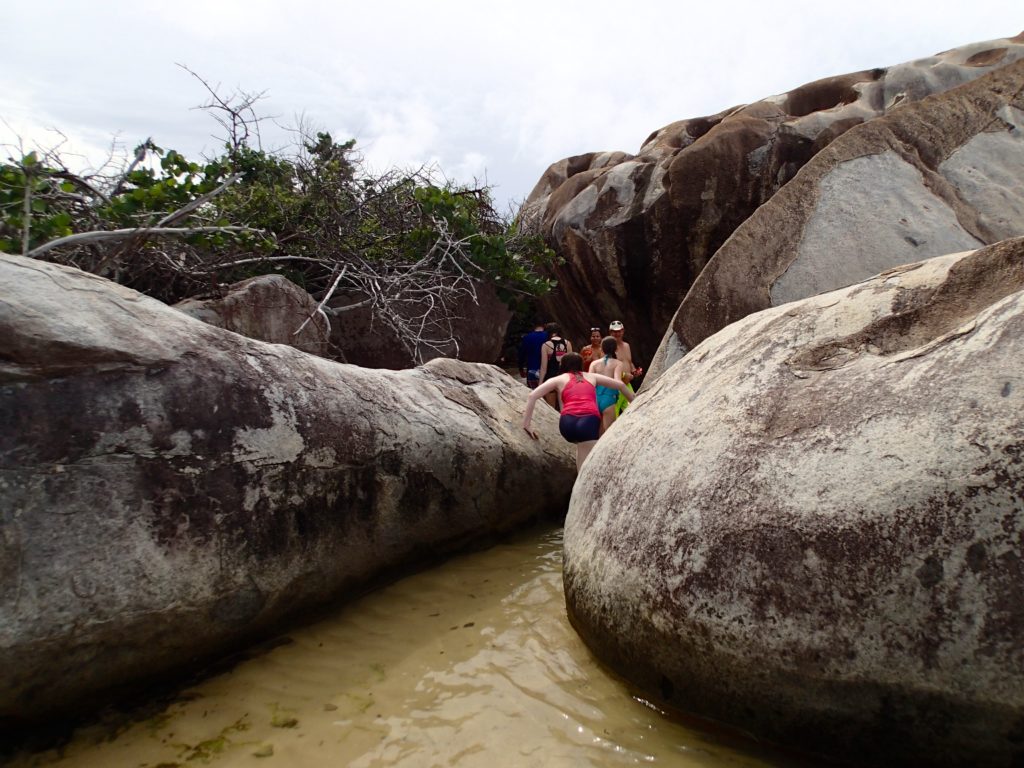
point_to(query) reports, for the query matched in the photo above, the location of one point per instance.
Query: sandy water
(470, 664)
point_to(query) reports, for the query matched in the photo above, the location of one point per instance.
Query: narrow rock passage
(470, 664)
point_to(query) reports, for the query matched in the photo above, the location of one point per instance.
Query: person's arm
(615, 371)
(616, 383)
(544, 360)
(535, 395)
(634, 369)
(637, 370)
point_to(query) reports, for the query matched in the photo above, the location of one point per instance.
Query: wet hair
(609, 345)
(552, 329)
(571, 363)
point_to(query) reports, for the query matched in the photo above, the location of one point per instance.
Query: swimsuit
(558, 348)
(606, 396)
(579, 429)
(580, 421)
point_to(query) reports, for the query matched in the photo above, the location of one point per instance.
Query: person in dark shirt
(530, 356)
(550, 355)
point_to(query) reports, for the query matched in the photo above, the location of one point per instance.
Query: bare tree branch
(235, 113)
(199, 201)
(26, 213)
(121, 234)
(320, 306)
(140, 155)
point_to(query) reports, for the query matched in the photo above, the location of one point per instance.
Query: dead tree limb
(122, 234)
(185, 210)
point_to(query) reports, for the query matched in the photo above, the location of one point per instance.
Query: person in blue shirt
(530, 355)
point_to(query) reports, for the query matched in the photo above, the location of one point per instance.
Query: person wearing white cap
(624, 354)
(622, 351)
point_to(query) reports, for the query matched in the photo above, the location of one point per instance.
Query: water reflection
(470, 664)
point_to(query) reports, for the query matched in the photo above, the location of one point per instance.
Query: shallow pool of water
(470, 664)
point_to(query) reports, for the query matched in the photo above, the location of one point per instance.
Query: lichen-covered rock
(818, 535)
(937, 176)
(169, 489)
(637, 230)
(269, 308)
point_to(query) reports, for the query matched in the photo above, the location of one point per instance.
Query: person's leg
(582, 451)
(607, 418)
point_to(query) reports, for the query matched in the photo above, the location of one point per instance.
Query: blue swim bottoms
(606, 397)
(579, 429)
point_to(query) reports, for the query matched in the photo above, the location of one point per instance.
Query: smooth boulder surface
(170, 490)
(636, 230)
(268, 308)
(937, 176)
(818, 535)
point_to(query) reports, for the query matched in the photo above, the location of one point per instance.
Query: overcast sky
(484, 90)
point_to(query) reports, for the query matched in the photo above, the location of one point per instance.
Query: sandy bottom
(470, 664)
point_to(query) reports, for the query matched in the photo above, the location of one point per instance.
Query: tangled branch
(409, 247)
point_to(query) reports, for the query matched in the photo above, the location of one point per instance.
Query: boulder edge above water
(818, 536)
(170, 491)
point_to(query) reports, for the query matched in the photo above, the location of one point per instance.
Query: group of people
(589, 388)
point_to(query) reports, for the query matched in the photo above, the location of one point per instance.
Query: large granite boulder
(269, 308)
(169, 490)
(819, 534)
(636, 230)
(937, 176)
(475, 331)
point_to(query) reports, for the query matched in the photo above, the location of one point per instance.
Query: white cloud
(504, 90)
(404, 133)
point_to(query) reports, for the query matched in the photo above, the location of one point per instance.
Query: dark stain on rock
(1006, 390)
(239, 607)
(1016, 732)
(391, 463)
(976, 556)
(930, 573)
(130, 412)
(828, 93)
(986, 58)
(424, 491)
(667, 689)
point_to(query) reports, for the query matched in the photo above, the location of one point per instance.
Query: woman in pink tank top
(580, 422)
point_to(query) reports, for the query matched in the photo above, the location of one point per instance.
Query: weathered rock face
(169, 489)
(819, 534)
(941, 175)
(636, 231)
(478, 330)
(268, 308)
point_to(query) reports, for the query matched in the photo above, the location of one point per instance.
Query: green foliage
(315, 211)
(30, 181)
(148, 194)
(509, 259)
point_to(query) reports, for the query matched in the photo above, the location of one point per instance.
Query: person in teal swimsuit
(609, 366)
